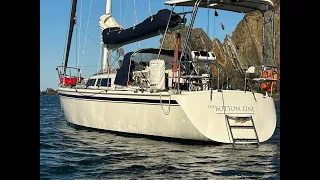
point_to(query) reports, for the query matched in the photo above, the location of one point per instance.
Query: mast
(105, 57)
(107, 21)
(71, 26)
(108, 6)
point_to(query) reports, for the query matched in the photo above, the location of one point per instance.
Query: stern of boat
(225, 116)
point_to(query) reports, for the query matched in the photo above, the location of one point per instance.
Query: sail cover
(152, 26)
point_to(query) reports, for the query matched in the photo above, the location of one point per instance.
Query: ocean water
(69, 153)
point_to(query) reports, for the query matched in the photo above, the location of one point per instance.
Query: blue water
(69, 153)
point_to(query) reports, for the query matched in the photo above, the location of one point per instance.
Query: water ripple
(68, 153)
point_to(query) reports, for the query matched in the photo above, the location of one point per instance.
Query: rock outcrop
(49, 91)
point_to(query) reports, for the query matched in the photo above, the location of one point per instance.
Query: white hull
(192, 114)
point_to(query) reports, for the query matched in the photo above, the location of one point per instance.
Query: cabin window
(91, 82)
(106, 82)
(99, 82)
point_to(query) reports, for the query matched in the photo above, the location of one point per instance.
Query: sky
(85, 50)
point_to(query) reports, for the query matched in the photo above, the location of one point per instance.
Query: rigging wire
(266, 61)
(135, 16)
(207, 43)
(85, 39)
(144, 8)
(222, 26)
(79, 44)
(134, 13)
(233, 46)
(127, 8)
(125, 12)
(149, 8)
(77, 52)
(88, 35)
(214, 23)
(250, 34)
(65, 45)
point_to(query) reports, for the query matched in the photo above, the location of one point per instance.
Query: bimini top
(240, 6)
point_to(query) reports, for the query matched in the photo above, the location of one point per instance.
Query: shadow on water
(79, 153)
(155, 138)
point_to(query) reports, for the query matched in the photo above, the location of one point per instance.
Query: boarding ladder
(246, 127)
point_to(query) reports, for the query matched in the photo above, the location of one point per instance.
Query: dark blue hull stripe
(135, 100)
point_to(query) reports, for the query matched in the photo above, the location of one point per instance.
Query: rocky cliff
(248, 35)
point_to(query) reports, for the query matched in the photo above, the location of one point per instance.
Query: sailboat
(161, 92)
